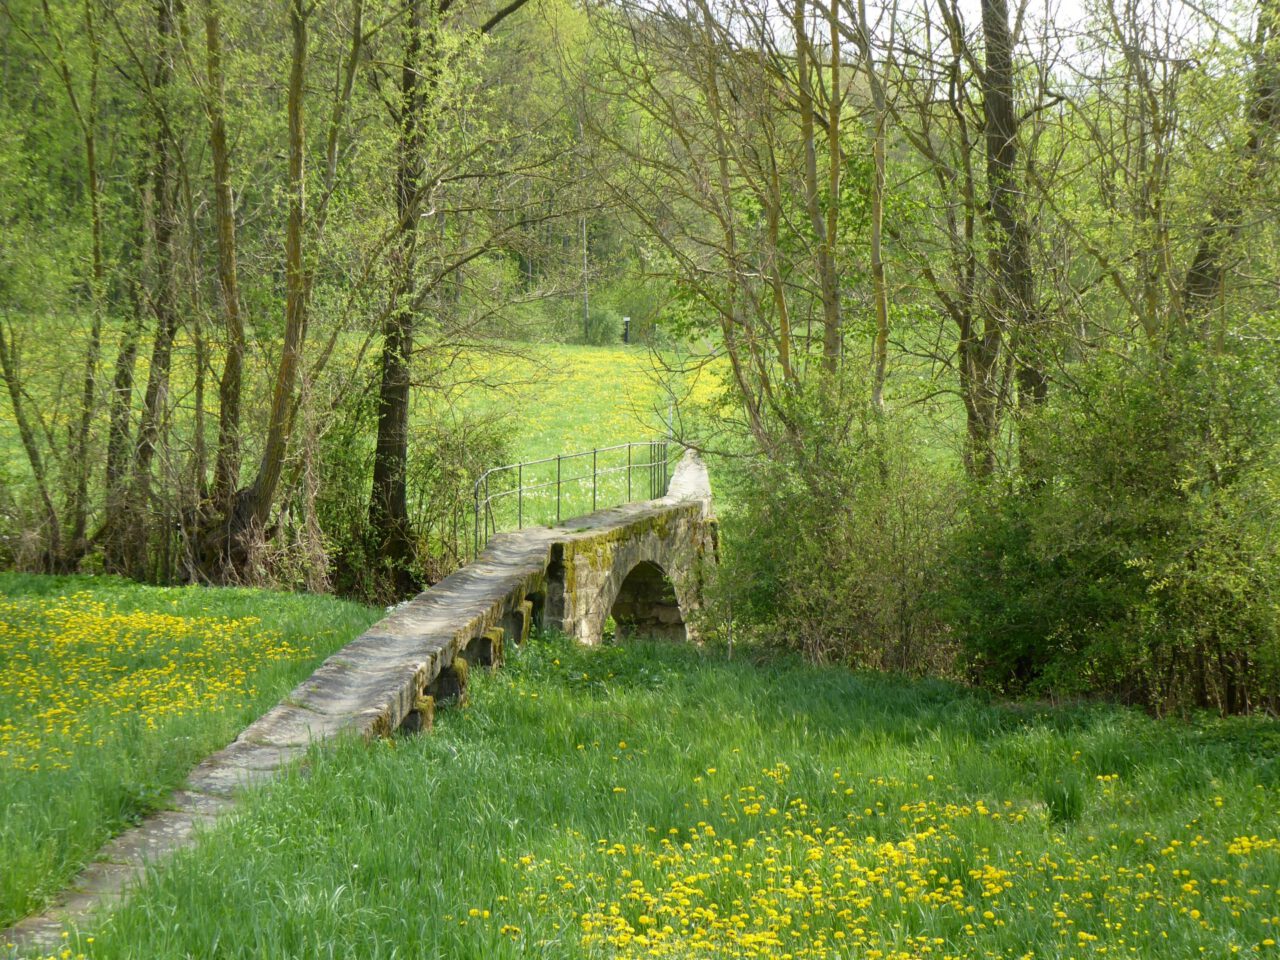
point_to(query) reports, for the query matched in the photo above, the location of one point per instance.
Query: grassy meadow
(110, 692)
(552, 398)
(567, 399)
(560, 398)
(662, 801)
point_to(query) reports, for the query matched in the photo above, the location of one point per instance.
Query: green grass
(564, 398)
(560, 398)
(590, 797)
(553, 398)
(110, 692)
(567, 399)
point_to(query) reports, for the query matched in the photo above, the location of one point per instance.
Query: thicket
(447, 451)
(1130, 551)
(834, 547)
(1138, 557)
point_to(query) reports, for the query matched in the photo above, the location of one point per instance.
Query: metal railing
(535, 491)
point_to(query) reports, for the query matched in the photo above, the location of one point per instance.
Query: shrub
(1139, 561)
(832, 546)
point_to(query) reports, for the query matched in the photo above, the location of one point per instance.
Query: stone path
(386, 679)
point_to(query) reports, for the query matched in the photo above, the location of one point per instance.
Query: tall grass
(647, 800)
(110, 692)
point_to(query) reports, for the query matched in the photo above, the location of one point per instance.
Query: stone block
(200, 804)
(153, 840)
(526, 620)
(668, 615)
(518, 622)
(421, 718)
(240, 765)
(450, 685)
(285, 725)
(485, 649)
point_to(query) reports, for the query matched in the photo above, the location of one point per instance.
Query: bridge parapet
(647, 556)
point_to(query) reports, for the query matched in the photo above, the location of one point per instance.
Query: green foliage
(621, 292)
(447, 452)
(1137, 558)
(832, 545)
(602, 326)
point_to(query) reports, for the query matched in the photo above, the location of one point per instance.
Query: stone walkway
(388, 678)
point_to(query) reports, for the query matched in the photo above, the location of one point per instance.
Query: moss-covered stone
(422, 717)
(450, 685)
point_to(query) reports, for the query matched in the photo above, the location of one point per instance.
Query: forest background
(985, 296)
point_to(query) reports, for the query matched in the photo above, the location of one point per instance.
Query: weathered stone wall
(588, 572)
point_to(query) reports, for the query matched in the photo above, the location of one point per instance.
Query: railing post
(557, 488)
(593, 480)
(628, 473)
(476, 542)
(520, 497)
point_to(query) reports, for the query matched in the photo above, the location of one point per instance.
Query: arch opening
(550, 606)
(646, 605)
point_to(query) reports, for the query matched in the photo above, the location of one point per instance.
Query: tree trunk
(79, 506)
(51, 561)
(165, 305)
(388, 503)
(1206, 275)
(261, 495)
(226, 473)
(832, 326)
(86, 115)
(879, 289)
(229, 537)
(1014, 286)
(119, 431)
(818, 223)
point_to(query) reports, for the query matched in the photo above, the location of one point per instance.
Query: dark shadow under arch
(646, 605)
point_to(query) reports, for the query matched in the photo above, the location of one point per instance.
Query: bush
(832, 547)
(603, 327)
(1139, 561)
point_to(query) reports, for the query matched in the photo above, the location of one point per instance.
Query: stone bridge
(639, 564)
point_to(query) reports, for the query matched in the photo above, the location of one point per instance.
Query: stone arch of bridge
(643, 591)
(646, 605)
